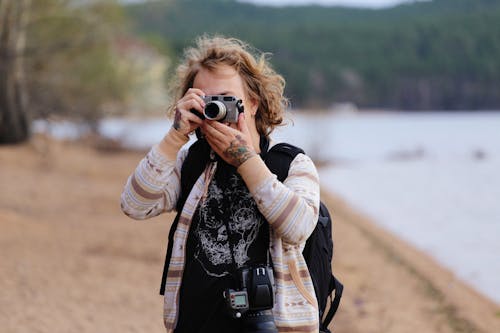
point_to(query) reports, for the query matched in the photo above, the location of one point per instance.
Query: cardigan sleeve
(154, 186)
(291, 207)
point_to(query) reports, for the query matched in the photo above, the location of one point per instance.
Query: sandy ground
(72, 262)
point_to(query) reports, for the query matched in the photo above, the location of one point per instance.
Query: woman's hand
(233, 145)
(185, 121)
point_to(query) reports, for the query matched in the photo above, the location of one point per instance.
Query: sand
(72, 262)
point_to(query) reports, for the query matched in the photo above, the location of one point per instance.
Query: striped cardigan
(291, 208)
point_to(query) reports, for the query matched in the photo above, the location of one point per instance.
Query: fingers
(192, 118)
(216, 136)
(185, 121)
(224, 134)
(242, 125)
(215, 145)
(192, 100)
(217, 132)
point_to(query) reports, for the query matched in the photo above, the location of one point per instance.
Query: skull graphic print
(227, 204)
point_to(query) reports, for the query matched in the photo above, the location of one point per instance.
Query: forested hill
(441, 54)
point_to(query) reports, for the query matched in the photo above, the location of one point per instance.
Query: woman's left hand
(233, 145)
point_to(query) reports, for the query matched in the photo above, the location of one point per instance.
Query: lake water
(433, 179)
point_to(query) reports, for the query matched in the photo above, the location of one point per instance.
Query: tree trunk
(14, 119)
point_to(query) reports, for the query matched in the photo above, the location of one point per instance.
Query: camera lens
(259, 322)
(215, 110)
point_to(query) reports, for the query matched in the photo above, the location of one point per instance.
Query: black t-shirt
(209, 267)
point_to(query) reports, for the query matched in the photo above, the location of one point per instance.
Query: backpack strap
(193, 166)
(279, 158)
(334, 305)
(197, 158)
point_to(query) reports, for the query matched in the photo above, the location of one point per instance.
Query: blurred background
(396, 101)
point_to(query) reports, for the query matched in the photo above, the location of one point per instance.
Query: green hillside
(443, 54)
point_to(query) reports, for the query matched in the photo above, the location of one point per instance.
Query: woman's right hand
(186, 121)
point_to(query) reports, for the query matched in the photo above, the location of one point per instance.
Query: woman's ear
(254, 106)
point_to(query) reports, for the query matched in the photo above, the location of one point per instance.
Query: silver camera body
(222, 108)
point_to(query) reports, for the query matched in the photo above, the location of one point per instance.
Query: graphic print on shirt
(235, 204)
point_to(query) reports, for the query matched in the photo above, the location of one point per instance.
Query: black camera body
(259, 283)
(222, 108)
(254, 299)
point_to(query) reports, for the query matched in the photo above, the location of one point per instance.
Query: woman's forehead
(221, 72)
(222, 77)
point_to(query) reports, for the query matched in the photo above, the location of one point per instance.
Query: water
(433, 179)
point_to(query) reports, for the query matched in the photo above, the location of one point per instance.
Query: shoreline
(459, 305)
(73, 262)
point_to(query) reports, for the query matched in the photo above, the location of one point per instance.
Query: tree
(70, 58)
(14, 119)
(59, 60)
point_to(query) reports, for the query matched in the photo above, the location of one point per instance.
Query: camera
(222, 108)
(254, 299)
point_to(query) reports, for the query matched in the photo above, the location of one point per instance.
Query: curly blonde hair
(261, 82)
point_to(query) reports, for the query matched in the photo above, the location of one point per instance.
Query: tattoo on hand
(238, 151)
(177, 119)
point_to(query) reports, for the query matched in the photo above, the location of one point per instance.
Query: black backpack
(318, 250)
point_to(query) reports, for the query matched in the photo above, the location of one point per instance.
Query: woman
(236, 212)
